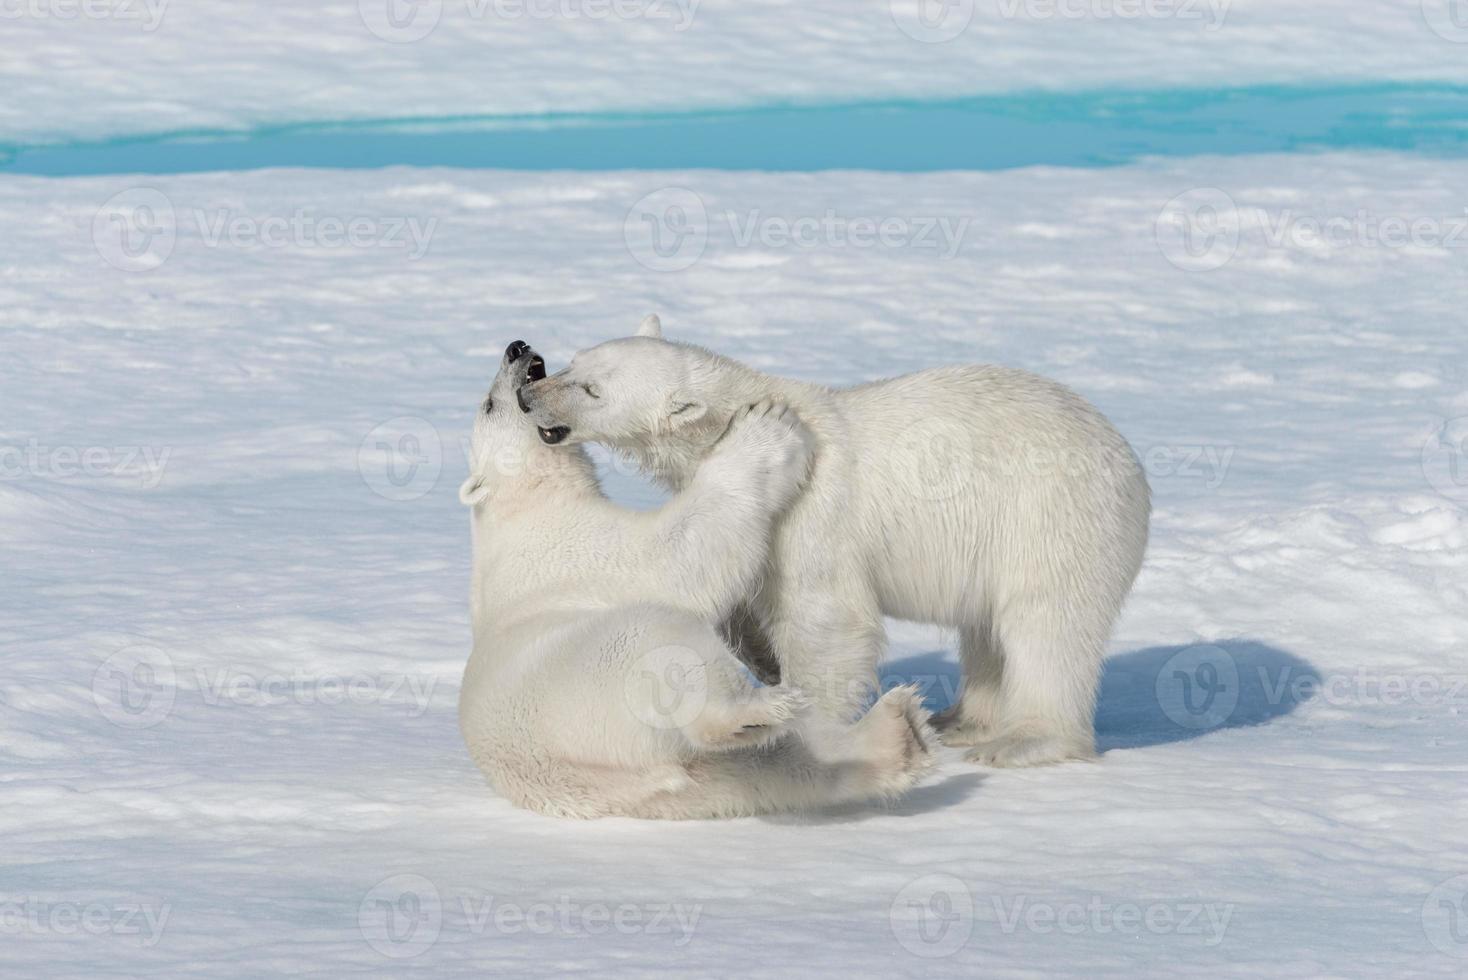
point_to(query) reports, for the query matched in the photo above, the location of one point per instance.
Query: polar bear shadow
(1153, 696)
(1160, 695)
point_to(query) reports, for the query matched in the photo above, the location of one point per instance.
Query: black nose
(552, 436)
(536, 369)
(520, 399)
(516, 350)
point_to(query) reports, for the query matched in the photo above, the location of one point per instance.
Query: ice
(91, 69)
(234, 633)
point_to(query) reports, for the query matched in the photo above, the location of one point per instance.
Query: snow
(90, 69)
(234, 634)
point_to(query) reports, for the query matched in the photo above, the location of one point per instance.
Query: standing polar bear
(598, 684)
(982, 498)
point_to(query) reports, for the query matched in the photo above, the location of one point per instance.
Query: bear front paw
(769, 440)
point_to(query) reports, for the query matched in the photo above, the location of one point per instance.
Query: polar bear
(598, 684)
(981, 498)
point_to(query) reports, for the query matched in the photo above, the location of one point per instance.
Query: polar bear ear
(683, 410)
(650, 326)
(472, 491)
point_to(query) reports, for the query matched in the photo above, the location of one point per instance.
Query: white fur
(598, 684)
(982, 498)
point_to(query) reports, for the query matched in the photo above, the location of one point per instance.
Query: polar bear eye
(590, 390)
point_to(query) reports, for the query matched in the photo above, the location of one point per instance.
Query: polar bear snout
(550, 435)
(516, 350)
(527, 395)
(544, 400)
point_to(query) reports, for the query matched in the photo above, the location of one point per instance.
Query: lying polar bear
(598, 685)
(980, 497)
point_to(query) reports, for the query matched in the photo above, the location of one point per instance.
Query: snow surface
(78, 69)
(233, 636)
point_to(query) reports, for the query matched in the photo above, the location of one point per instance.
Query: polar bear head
(505, 450)
(631, 391)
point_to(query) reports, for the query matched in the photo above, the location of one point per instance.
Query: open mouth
(534, 367)
(534, 371)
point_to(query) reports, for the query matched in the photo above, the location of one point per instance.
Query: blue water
(985, 133)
